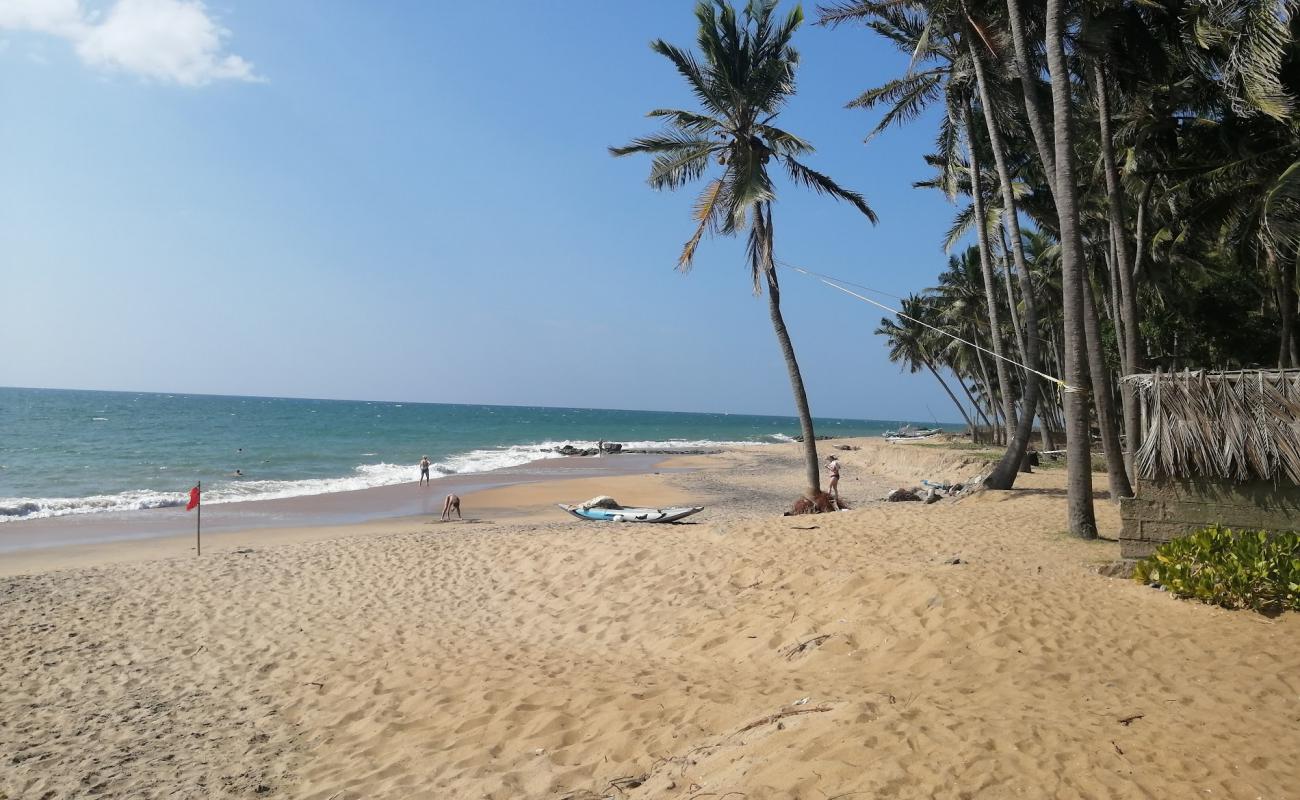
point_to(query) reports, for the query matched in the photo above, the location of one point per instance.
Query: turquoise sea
(80, 452)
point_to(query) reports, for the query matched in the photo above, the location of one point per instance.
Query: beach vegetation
(1230, 568)
(741, 74)
(1126, 187)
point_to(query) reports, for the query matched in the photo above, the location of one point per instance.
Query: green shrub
(1233, 569)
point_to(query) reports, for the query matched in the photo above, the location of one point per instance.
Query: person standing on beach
(833, 472)
(452, 503)
(424, 470)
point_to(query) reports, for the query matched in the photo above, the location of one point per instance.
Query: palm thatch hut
(1218, 447)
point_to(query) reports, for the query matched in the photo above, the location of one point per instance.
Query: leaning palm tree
(907, 347)
(743, 76)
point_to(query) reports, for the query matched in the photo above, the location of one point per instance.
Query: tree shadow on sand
(1099, 494)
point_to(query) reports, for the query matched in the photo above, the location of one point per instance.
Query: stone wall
(1166, 508)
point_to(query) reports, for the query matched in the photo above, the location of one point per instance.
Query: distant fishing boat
(908, 433)
(631, 513)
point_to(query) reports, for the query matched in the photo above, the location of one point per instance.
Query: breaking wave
(364, 476)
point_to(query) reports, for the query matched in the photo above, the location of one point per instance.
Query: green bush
(1233, 569)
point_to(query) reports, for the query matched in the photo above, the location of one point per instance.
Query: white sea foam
(364, 476)
(16, 508)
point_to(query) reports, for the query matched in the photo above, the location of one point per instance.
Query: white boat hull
(631, 514)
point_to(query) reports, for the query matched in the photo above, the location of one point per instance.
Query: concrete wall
(1167, 508)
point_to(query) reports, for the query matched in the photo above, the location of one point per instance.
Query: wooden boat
(904, 439)
(632, 514)
(909, 434)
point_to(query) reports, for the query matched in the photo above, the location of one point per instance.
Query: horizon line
(487, 405)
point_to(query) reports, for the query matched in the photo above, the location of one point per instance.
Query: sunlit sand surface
(529, 655)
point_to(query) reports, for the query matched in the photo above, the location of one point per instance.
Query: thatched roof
(1236, 426)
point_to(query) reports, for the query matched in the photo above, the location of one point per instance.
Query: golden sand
(529, 655)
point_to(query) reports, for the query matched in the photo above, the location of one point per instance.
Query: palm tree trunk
(1139, 243)
(1080, 518)
(1102, 401)
(1034, 112)
(1004, 474)
(1292, 301)
(990, 397)
(1136, 435)
(1286, 303)
(1057, 394)
(1110, 297)
(952, 396)
(1128, 313)
(979, 412)
(990, 283)
(812, 467)
(1029, 87)
(1007, 261)
(1046, 416)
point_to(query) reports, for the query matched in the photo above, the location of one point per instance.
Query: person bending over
(452, 504)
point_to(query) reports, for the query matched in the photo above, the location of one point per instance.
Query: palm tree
(742, 78)
(933, 34)
(1080, 517)
(957, 302)
(907, 346)
(1004, 474)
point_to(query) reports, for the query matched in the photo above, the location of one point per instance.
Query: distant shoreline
(83, 454)
(325, 509)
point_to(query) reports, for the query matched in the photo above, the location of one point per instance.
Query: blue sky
(413, 201)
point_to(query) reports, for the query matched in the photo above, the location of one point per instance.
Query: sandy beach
(965, 649)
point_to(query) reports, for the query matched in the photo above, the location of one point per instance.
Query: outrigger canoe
(632, 514)
(907, 433)
(925, 437)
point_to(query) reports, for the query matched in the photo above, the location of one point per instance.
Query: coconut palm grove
(1125, 184)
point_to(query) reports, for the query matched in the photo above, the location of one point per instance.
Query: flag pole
(198, 522)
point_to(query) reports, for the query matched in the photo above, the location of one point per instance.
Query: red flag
(194, 499)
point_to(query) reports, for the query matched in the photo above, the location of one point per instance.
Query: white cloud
(173, 41)
(59, 17)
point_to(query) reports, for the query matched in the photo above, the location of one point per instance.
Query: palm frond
(907, 98)
(782, 142)
(705, 213)
(1280, 209)
(822, 184)
(678, 168)
(688, 120)
(759, 249)
(690, 69)
(664, 142)
(750, 186)
(1242, 46)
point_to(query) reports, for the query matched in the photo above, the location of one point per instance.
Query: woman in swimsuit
(833, 470)
(452, 504)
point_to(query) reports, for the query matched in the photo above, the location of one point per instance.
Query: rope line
(835, 283)
(841, 281)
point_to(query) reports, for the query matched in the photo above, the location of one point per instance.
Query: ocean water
(81, 452)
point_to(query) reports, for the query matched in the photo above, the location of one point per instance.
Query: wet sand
(332, 509)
